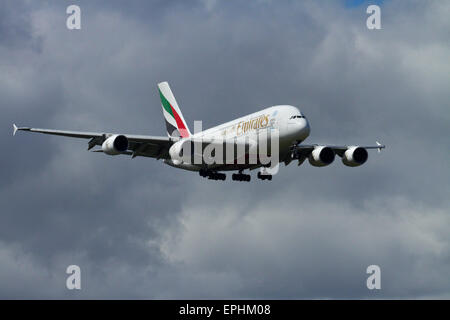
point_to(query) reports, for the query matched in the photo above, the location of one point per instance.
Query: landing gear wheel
(241, 177)
(203, 173)
(213, 175)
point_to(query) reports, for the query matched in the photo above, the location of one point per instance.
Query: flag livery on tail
(175, 123)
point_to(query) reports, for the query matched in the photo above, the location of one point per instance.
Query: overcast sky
(140, 229)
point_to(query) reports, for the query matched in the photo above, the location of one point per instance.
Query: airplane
(292, 127)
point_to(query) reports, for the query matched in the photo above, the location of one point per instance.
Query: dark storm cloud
(15, 28)
(140, 229)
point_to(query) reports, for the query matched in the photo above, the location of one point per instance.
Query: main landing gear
(212, 175)
(241, 177)
(264, 176)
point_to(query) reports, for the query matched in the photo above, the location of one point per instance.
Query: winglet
(380, 146)
(15, 129)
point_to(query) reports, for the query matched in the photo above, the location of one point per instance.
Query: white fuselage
(292, 128)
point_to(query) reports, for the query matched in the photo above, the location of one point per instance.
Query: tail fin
(175, 123)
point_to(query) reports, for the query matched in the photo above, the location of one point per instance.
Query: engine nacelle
(354, 156)
(177, 150)
(321, 156)
(115, 145)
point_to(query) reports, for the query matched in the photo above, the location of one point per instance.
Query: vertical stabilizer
(175, 123)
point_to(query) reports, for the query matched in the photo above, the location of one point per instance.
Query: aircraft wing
(138, 145)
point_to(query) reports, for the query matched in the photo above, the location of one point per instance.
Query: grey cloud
(140, 229)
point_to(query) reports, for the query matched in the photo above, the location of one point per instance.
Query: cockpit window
(296, 117)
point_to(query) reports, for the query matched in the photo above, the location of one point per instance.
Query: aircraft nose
(305, 127)
(299, 128)
(302, 128)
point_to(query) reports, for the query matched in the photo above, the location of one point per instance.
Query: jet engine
(354, 156)
(177, 150)
(321, 156)
(115, 145)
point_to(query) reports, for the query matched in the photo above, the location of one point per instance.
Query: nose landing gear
(264, 176)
